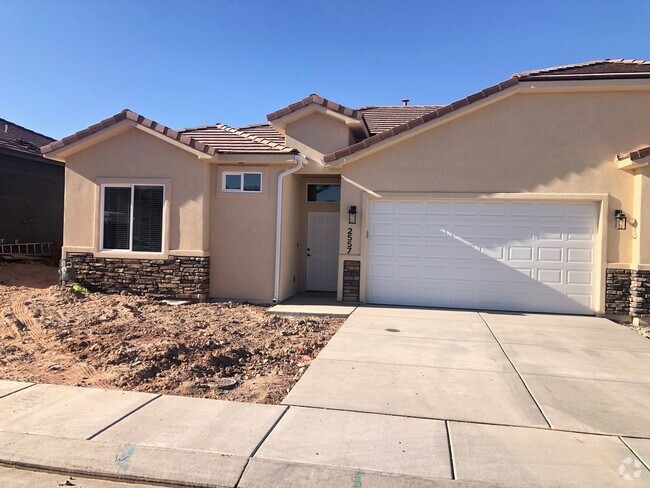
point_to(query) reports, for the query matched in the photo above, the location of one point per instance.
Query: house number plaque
(349, 245)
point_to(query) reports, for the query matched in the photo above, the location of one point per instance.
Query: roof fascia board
(461, 112)
(114, 130)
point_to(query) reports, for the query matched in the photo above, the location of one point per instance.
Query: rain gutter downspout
(300, 161)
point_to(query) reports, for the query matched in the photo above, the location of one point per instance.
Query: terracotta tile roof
(382, 118)
(127, 114)
(427, 117)
(635, 155)
(600, 68)
(264, 130)
(21, 139)
(318, 100)
(227, 139)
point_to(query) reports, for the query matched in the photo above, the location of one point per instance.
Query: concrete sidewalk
(398, 398)
(145, 438)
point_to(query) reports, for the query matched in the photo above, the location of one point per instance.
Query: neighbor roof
(21, 139)
(227, 139)
(127, 114)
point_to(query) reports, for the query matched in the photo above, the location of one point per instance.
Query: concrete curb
(125, 462)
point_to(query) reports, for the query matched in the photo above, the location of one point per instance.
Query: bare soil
(231, 351)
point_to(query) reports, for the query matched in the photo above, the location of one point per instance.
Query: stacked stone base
(179, 277)
(628, 292)
(351, 280)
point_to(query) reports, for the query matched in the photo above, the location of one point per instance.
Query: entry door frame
(313, 286)
(601, 249)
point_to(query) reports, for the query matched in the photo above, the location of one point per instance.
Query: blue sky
(65, 64)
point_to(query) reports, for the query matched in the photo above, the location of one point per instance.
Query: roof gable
(139, 120)
(317, 100)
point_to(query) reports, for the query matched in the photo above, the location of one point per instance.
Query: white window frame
(101, 218)
(241, 181)
(315, 201)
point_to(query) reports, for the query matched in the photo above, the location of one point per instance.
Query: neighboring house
(31, 188)
(509, 199)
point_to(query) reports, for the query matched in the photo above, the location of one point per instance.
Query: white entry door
(520, 256)
(322, 251)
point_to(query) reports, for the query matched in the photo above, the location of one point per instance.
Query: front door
(322, 251)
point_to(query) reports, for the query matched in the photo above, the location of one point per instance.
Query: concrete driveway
(520, 394)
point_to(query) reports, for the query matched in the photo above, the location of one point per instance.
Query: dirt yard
(212, 350)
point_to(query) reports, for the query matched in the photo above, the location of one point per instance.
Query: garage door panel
(549, 254)
(578, 255)
(526, 256)
(581, 234)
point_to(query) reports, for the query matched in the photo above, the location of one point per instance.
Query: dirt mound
(213, 350)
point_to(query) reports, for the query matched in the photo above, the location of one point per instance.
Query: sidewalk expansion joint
(640, 458)
(539, 407)
(451, 451)
(460, 421)
(259, 444)
(128, 414)
(17, 391)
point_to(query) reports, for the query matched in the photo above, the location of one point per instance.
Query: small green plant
(79, 289)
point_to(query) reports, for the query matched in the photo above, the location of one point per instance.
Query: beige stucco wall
(318, 132)
(135, 156)
(552, 143)
(242, 236)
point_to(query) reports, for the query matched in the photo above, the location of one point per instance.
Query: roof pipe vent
(405, 102)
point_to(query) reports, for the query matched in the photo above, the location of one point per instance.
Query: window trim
(101, 218)
(316, 201)
(241, 181)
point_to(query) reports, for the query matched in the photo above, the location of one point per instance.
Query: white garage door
(519, 256)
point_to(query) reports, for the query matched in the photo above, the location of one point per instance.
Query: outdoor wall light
(621, 220)
(352, 215)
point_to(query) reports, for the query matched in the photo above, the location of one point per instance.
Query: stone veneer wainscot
(179, 277)
(351, 280)
(628, 292)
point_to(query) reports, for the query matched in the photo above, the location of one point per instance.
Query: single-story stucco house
(530, 195)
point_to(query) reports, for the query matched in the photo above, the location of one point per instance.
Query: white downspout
(300, 161)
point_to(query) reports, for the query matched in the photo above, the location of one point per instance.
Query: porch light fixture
(621, 220)
(352, 215)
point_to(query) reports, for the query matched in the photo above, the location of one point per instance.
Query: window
(324, 193)
(132, 218)
(242, 182)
